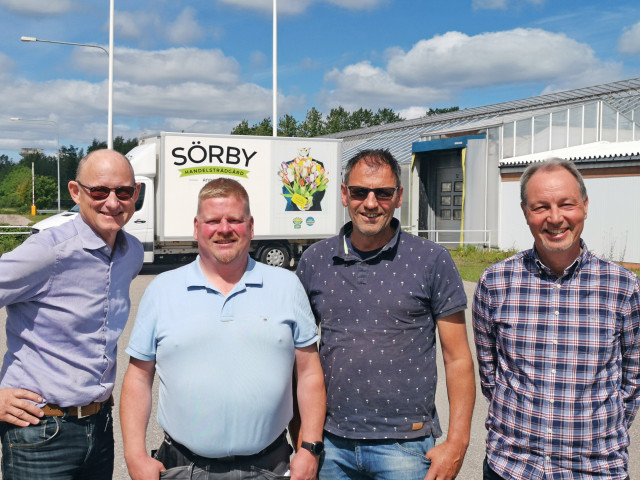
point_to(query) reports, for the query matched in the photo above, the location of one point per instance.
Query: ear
(586, 206)
(74, 191)
(345, 201)
(399, 202)
(195, 228)
(524, 209)
(251, 225)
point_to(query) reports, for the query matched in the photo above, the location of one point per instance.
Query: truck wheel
(275, 255)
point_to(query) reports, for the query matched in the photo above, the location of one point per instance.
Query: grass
(472, 261)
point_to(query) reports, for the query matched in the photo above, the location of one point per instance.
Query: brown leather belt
(54, 410)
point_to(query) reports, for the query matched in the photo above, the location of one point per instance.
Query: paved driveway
(471, 469)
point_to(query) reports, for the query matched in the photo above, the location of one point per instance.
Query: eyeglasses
(101, 192)
(382, 193)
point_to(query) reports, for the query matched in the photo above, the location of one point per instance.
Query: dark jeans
(182, 464)
(488, 474)
(59, 448)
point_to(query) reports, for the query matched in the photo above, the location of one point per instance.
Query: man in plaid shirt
(557, 331)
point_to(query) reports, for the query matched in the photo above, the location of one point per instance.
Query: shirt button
(548, 458)
(551, 401)
(555, 342)
(553, 370)
(556, 313)
(550, 430)
(558, 286)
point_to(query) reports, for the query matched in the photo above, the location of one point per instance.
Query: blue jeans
(59, 448)
(345, 458)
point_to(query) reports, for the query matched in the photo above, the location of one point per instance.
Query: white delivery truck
(293, 186)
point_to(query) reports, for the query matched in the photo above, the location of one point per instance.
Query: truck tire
(275, 255)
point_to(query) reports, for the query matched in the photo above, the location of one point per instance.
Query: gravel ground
(471, 469)
(14, 220)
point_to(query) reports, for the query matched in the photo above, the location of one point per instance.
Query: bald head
(103, 155)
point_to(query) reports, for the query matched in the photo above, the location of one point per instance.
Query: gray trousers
(182, 464)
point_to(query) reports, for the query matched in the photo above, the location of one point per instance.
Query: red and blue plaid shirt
(559, 362)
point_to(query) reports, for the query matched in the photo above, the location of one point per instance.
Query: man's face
(223, 230)
(106, 217)
(371, 217)
(555, 213)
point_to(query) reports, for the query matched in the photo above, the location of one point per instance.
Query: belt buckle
(80, 414)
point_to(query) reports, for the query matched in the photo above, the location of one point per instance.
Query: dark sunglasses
(101, 192)
(382, 193)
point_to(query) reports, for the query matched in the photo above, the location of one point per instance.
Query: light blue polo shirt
(224, 363)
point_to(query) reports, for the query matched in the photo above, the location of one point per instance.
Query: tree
(119, 145)
(385, 115)
(46, 192)
(312, 125)
(288, 126)
(361, 118)
(437, 111)
(338, 120)
(242, 129)
(11, 183)
(69, 158)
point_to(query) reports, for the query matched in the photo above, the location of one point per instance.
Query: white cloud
(37, 8)
(147, 27)
(364, 85)
(489, 4)
(435, 70)
(630, 40)
(293, 7)
(175, 89)
(514, 56)
(413, 112)
(185, 29)
(136, 25)
(501, 4)
(160, 67)
(7, 64)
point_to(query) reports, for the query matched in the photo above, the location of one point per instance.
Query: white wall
(612, 227)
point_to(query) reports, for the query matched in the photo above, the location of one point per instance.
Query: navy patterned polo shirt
(377, 346)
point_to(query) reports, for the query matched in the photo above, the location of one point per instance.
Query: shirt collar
(195, 276)
(571, 269)
(92, 241)
(342, 249)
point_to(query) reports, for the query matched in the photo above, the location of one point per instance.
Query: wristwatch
(315, 447)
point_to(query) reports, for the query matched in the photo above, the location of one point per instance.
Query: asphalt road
(471, 469)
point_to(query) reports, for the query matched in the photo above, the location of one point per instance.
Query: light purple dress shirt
(67, 300)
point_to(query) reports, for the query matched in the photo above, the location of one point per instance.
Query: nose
(371, 201)
(224, 226)
(112, 201)
(555, 215)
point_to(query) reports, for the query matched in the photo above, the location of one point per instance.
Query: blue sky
(205, 65)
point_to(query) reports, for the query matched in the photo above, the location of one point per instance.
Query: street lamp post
(50, 122)
(109, 53)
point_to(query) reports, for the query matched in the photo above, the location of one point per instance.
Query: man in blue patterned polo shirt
(557, 332)
(378, 294)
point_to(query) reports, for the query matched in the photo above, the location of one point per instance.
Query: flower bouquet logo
(304, 181)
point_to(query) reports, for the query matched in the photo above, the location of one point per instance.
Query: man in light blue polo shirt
(224, 334)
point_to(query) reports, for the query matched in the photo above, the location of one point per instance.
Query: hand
(446, 460)
(144, 467)
(304, 466)
(16, 408)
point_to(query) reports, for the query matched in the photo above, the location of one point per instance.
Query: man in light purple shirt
(66, 291)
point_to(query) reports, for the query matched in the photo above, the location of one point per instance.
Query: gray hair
(373, 158)
(545, 166)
